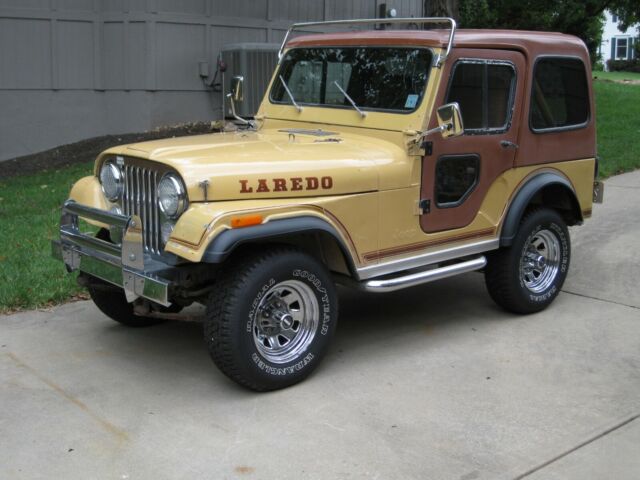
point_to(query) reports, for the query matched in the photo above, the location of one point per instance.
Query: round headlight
(111, 181)
(172, 197)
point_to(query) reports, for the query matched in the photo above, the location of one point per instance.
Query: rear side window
(484, 90)
(560, 96)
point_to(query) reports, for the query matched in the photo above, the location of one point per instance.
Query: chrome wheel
(540, 262)
(286, 321)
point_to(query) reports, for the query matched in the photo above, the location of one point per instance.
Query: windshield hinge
(414, 146)
(425, 206)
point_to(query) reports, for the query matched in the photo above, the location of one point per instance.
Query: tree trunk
(441, 8)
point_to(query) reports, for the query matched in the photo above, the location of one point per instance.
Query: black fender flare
(226, 242)
(523, 198)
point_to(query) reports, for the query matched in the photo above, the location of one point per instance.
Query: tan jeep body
(357, 192)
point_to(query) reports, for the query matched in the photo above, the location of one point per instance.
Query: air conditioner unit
(255, 62)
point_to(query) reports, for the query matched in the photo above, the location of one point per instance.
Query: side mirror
(236, 88)
(450, 120)
(235, 95)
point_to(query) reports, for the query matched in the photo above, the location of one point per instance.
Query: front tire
(271, 318)
(527, 276)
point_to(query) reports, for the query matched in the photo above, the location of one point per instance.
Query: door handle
(508, 144)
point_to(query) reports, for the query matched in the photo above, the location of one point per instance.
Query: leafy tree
(583, 18)
(628, 12)
(441, 8)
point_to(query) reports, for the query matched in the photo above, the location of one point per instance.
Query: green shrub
(624, 65)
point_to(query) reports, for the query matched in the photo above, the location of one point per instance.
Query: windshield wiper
(293, 100)
(362, 114)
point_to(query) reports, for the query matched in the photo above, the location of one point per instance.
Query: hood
(272, 163)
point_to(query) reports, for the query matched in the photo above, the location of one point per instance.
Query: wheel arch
(545, 189)
(327, 243)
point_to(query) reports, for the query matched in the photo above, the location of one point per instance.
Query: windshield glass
(376, 78)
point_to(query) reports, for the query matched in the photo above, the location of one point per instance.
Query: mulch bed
(87, 150)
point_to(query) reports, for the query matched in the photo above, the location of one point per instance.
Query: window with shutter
(622, 48)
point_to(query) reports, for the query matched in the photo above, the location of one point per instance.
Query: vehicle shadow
(175, 348)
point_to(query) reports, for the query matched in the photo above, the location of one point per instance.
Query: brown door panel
(495, 156)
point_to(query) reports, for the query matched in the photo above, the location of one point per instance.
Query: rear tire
(527, 276)
(112, 302)
(271, 318)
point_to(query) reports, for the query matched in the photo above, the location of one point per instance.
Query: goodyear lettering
(326, 306)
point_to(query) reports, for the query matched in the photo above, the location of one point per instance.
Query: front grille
(140, 198)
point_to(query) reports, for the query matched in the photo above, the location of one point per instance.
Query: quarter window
(560, 96)
(484, 90)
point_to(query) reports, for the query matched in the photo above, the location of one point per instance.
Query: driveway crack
(577, 447)
(623, 186)
(600, 299)
(120, 434)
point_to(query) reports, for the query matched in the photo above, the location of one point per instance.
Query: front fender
(87, 191)
(224, 244)
(205, 234)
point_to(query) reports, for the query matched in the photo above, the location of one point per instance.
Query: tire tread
(500, 281)
(223, 300)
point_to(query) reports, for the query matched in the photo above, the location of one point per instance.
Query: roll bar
(450, 22)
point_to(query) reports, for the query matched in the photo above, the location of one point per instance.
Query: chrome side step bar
(392, 284)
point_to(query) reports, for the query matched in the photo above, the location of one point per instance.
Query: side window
(560, 96)
(484, 89)
(456, 177)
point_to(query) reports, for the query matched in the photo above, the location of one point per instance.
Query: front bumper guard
(121, 265)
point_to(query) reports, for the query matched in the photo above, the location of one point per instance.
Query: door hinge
(428, 148)
(425, 206)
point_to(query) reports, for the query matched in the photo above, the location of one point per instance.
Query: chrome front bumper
(121, 265)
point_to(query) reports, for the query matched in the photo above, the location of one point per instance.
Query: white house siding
(614, 41)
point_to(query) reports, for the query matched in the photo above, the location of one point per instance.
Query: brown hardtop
(529, 42)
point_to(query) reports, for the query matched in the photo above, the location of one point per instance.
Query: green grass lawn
(616, 76)
(29, 215)
(618, 123)
(30, 205)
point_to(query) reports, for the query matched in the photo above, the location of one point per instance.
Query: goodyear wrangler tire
(527, 276)
(270, 320)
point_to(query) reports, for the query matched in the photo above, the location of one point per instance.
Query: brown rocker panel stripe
(431, 243)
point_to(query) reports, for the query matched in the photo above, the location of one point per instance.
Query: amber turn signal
(246, 221)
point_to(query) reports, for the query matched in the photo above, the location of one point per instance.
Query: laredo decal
(284, 185)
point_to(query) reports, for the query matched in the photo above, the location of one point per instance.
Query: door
(457, 172)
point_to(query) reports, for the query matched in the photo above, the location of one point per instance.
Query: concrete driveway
(431, 383)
